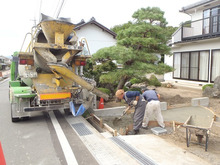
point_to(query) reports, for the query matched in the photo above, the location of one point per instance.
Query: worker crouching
(133, 98)
(152, 107)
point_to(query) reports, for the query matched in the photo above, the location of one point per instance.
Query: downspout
(210, 66)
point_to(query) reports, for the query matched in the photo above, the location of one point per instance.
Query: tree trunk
(122, 82)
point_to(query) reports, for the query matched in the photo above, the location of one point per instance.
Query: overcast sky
(17, 16)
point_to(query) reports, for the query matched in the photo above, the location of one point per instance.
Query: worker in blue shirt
(152, 107)
(133, 98)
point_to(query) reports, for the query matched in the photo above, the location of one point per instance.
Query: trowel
(119, 118)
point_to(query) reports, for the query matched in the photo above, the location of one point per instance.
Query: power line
(58, 13)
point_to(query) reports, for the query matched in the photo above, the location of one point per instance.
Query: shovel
(119, 118)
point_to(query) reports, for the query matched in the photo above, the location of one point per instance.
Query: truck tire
(67, 111)
(14, 119)
(25, 118)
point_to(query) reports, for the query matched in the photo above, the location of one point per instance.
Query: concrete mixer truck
(47, 75)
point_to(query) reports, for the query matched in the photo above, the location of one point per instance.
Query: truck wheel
(67, 112)
(13, 119)
(25, 118)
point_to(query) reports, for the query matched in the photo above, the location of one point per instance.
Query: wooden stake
(174, 126)
(115, 133)
(101, 123)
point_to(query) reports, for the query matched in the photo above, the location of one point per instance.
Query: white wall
(169, 61)
(96, 37)
(197, 15)
(197, 45)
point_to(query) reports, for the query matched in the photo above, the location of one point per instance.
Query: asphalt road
(45, 139)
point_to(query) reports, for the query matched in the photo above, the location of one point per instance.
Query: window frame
(212, 57)
(198, 78)
(210, 20)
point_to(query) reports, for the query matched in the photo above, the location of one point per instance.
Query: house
(4, 63)
(97, 35)
(195, 46)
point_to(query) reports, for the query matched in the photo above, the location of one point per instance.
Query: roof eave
(194, 5)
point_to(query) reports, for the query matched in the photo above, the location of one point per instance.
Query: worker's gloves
(134, 102)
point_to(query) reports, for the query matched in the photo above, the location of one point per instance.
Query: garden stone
(208, 92)
(217, 83)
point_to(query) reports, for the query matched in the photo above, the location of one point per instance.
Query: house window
(184, 66)
(191, 65)
(206, 15)
(215, 20)
(194, 67)
(211, 20)
(215, 69)
(203, 65)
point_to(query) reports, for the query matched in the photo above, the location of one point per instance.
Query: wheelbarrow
(199, 131)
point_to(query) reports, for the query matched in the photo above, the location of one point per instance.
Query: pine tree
(138, 45)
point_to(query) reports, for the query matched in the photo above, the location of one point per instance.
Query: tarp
(79, 112)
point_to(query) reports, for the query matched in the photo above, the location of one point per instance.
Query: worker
(152, 107)
(133, 98)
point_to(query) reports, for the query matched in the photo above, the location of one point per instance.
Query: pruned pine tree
(138, 46)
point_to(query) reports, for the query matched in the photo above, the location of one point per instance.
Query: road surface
(45, 139)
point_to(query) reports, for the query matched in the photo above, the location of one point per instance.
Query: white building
(196, 46)
(97, 35)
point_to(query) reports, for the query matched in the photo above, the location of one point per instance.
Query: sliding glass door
(185, 66)
(215, 70)
(194, 67)
(191, 65)
(204, 65)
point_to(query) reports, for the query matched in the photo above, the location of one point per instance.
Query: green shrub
(135, 81)
(207, 85)
(125, 88)
(154, 81)
(145, 80)
(105, 90)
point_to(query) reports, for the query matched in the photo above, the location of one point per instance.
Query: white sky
(17, 16)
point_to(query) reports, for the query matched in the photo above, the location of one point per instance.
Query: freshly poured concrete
(201, 116)
(157, 148)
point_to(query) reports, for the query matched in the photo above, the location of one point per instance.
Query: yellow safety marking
(54, 96)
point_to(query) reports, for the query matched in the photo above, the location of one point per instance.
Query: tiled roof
(93, 21)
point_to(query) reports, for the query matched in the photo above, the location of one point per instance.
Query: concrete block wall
(203, 101)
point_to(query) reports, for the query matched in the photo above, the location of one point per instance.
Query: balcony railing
(197, 30)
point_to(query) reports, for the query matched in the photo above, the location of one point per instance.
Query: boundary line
(68, 153)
